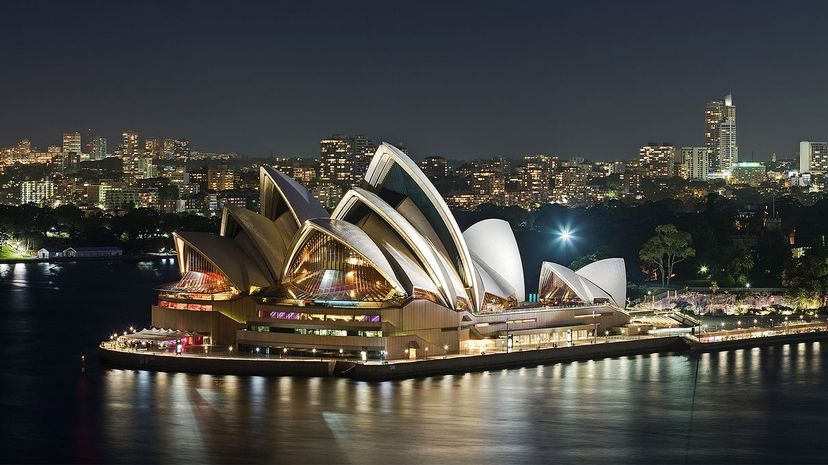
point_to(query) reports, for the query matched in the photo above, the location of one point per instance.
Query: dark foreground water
(751, 406)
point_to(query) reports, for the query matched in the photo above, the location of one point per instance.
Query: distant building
(748, 173)
(813, 157)
(728, 150)
(97, 148)
(129, 145)
(695, 162)
(434, 167)
(715, 113)
(336, 159)
(72, 142)
(176, 148)
(151, 148)
(36, 192)
(221, 178)
(657, 160)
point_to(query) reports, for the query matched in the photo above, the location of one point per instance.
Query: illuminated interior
(326, 269)
(556, 291)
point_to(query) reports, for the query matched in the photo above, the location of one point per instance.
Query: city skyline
(550, 78)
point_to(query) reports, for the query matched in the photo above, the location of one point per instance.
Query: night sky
(459, 79)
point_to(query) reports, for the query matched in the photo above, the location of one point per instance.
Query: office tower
(695, 162)
(728, 151)
(97, 148)
(220, 178)
(657, 160)
(434, 167)
(716, 113)
(72, 142)
(151, 148)
(813, 157)
(37, 192)
(336, 159)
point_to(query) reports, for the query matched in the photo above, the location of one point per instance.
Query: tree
(667, 248)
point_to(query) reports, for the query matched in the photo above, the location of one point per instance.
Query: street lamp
(703, 269)
(445, 351)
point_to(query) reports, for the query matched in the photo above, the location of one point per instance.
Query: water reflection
(751, 406)
(629, 409)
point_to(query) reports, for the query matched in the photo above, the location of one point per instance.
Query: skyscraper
(813, 157)
(716, 113)
(728, 150)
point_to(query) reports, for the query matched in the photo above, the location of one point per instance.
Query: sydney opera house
(387, 274)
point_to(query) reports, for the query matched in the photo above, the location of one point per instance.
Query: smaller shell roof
(585, 289)
(302, 204)
(231, 260)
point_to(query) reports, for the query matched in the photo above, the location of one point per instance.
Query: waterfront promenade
(226, 362)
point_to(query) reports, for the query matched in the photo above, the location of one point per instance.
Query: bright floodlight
(566, 235)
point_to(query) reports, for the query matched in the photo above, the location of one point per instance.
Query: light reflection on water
(751, 406)
(620, 410)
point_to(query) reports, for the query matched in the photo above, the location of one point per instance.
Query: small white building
(49, 252)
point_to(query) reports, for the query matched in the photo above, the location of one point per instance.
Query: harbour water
(763, 405)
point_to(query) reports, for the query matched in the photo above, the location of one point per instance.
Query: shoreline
(372, 371)
(124, 258)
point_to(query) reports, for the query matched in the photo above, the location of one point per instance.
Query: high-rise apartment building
(130, 146)
(657, 160)
(694, 162)
(813, 157)
(715, 114)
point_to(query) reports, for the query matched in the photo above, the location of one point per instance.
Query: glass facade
(556, 292)
(326, 269)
